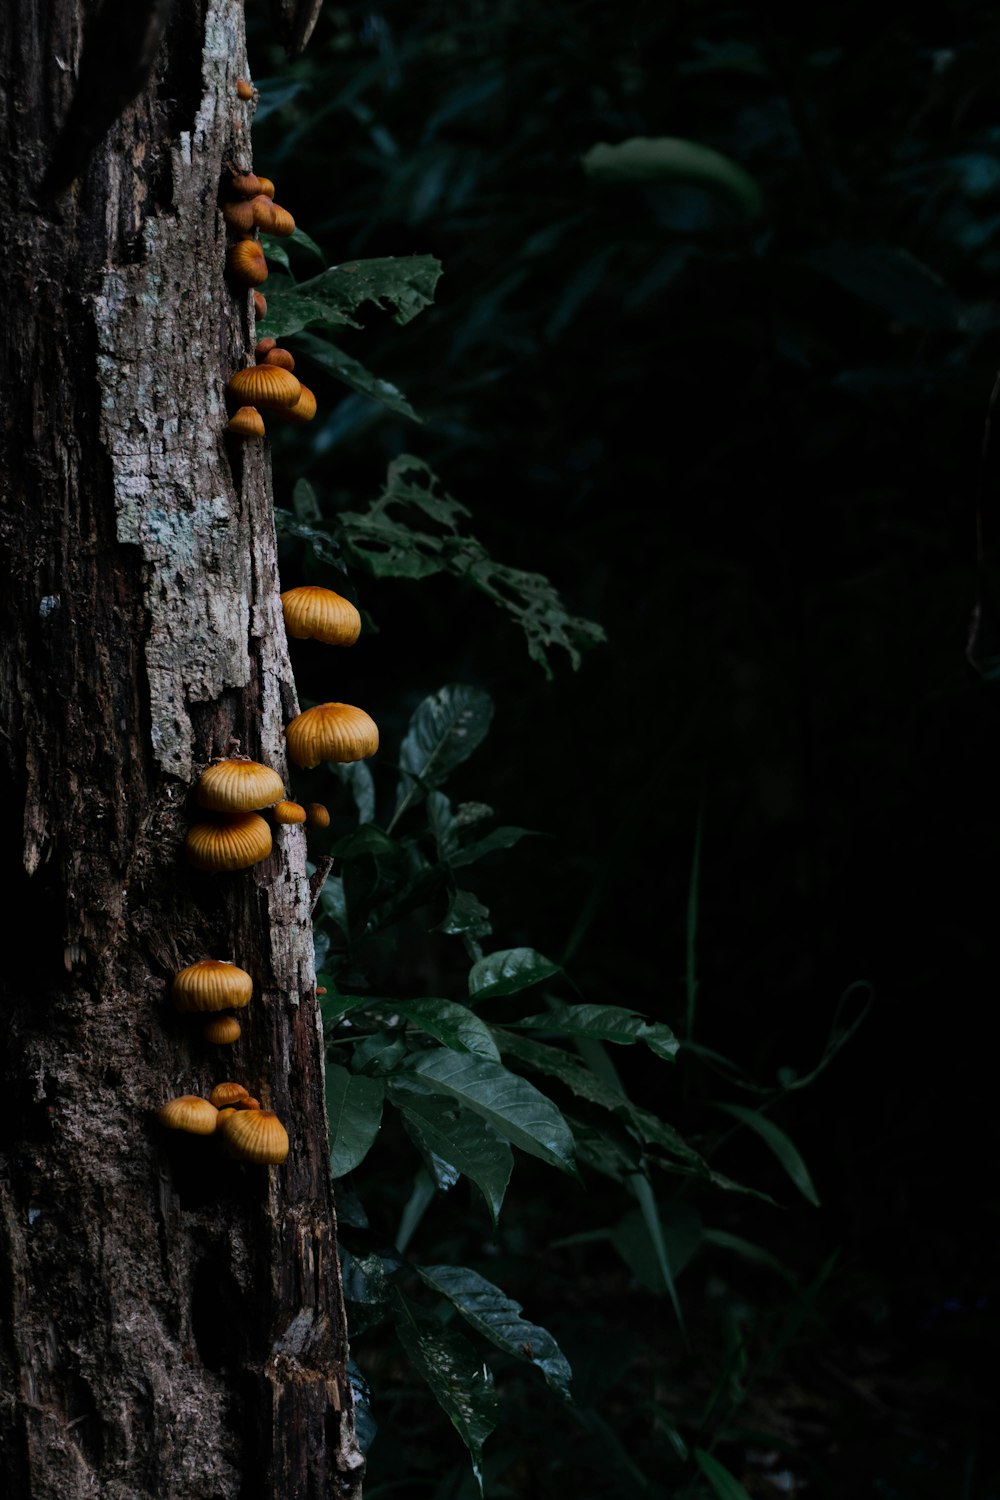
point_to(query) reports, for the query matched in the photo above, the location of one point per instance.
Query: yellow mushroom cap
(211, 984)
(288, 812)
(249, 1103)
(190, 1113)
(239, 214)
(222, 1030)
(321, 615)
(246, 185)
(255, 1135)
(281, 220)
(265, 385)
(304, 408)
(331, 731)
(246, 262)
(228, 1110)
(266, 186)
(317, 816)
(246, 423)
(284, 361)
(236, 844)
(228, 1093)
(238, 786)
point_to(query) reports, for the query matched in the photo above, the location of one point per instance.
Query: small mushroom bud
(238, 786)
(236, 844)
(189, 1113)
(288, 813)
(266, 186)
(228, 1093)
(259, 305)
(304, 408)
(321, 989)
(246, 263)
(249, 1103)
(266, 386)
(222, 1031)
(281, 221)
(331, 731)
(247, 423)
(282, 358)
(262, 347)
(245, 185)
(244, 90)
(317, 614)
(317, 816)
(255, 1135)
(211, 984)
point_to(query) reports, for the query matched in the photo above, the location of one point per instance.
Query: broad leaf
(368, 839)
(774, 1137)
(453, 1024)
(439, 1126)
(444, 731)
(333, 903)
(497, 838)
(466, 917)
(357, 777)
(461, 1383)
(320, 542)
(510, 1105)
(606, 1023)
(354, 1109)
(405, 283)
(365, 1425)
(646, 160)
(507, 971)
(349, 370)
(498, 1319)
(724, 1486)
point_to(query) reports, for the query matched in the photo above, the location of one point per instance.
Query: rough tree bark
(171, 1324)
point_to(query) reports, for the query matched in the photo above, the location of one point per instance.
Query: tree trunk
(171, 1323)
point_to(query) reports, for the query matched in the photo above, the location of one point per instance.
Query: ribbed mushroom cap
(288, 812)
(255, 1135)
(264, 385)
(222, 1031)
(211, 984)
(246, 262)
(304, 408)
(190, 1113)
(259, 305)
(331, 731)
(227, 1093)
(266, 186)
(246, 423)
(320, 615)
(238, 786)
(239, 214)
(246, 185)
(241, 841)
(283, 360)
(317, 816)
(281, 220)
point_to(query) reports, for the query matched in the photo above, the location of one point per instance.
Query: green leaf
(365, 1425)
(405, 283)
(385, 540)
(461, 1383)
(368, 839)
(440, 1127)
(333, 902)
(891, 279)
(357, 777)
(354, 1109)
(606, 1023)
(510, 1105)
(507, 971)
(719, 1477)
(453, 1024)
(648, 160)
(723, 1240)
(320, 542)
(466, 917)
(498, 838)
(305, 503)
(274, 253)
(349, 370)
(778, 1141)
(444, 731)
(498, 1318)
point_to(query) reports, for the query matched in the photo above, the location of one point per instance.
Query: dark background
(749, 446)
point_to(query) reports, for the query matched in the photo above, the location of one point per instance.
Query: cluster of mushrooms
(234, 793)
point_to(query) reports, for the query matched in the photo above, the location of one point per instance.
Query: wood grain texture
(171, 1322)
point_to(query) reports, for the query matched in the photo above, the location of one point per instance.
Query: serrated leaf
(724, 1485)
(773, 1136)
(461, 1383)
(453, 1024)
(606, 1023)
(509, 1104)
(646, 160)
(439, 1126)
(320, 542)
(353, 373)
(498, 1318)
(354, 1109)
(507, 971)
(443, 732)
(357, 777)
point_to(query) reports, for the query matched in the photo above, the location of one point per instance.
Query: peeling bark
(171, 1324)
